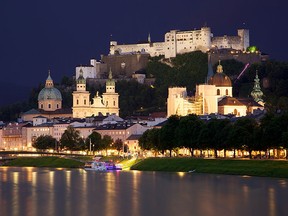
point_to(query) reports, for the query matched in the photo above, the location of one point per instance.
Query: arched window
(77, 101)
(226, 91)
(49, 106)
(218, 91)
(57, 106)
(84, 101)
(114, 103)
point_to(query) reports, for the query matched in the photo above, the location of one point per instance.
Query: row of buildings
(101, 115)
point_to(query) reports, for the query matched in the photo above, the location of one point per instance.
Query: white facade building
(91, 71)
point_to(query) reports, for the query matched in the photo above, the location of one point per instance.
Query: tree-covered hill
(185, 70)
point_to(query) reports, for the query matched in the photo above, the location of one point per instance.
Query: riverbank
(265, 168)
(55, 162)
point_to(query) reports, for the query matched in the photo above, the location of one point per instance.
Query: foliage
(71, 140)
(94, 142)
(44, 142)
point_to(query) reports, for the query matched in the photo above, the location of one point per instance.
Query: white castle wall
(179, 42)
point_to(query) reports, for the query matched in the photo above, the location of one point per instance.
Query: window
(226, 91)
(218, 91)
(77, 101)
(49, 106)
(84, 101)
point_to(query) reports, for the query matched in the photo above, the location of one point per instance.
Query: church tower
(110, 97)
(81, 101)
(256, 92)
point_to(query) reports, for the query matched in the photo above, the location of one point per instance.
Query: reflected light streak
(15, 198)
(181, 174)
(51, 193)
(110, 194)
(3, 175)
(135, 194)
(29, 174)
(68, 192)
(283, 183)
(271, 198)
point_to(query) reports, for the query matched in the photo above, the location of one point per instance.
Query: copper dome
(220, 79)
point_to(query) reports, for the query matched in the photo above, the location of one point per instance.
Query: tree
(118, 145)
(150, 140)
(188, 132)
(44, 142)
(93, 142)
(106, 142)
(167, 135)
(71, 140)
(248, 133)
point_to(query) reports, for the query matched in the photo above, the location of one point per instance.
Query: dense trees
(71, 140)
(217, 134)
(45, 142)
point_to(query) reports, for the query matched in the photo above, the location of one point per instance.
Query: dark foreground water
(43, 191)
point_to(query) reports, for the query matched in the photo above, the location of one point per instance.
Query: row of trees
(218, 134)
(72, 141)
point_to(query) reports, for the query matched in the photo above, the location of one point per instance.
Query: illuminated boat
(95, 166)
(101, 166)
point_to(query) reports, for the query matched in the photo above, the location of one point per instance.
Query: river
(46, 191)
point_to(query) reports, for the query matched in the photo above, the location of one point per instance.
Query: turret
(81, 82)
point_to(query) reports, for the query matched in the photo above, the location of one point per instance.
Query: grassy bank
(268, 168)
(45, 162)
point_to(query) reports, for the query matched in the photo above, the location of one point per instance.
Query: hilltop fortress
(179, 42)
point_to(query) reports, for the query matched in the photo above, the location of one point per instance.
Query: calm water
(34, 192)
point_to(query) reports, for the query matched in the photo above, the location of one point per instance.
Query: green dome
(49, 92)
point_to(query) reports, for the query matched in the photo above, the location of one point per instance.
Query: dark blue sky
(59, 34)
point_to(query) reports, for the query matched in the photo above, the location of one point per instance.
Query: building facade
(107, 104)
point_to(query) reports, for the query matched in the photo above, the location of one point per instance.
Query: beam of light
(246, 66)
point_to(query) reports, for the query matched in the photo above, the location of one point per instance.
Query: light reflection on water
(34, 191)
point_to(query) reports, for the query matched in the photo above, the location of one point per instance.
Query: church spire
(149, 38)
(49, 81)
(256, 92)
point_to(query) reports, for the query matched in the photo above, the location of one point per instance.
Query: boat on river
(101, 166)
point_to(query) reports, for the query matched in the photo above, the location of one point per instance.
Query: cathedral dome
(49, 92)
(220, 79)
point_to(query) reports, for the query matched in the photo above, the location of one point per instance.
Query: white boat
(95, 166)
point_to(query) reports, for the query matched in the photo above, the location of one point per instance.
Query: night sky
(59, 34)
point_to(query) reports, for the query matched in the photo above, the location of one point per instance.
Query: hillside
(185, 70)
